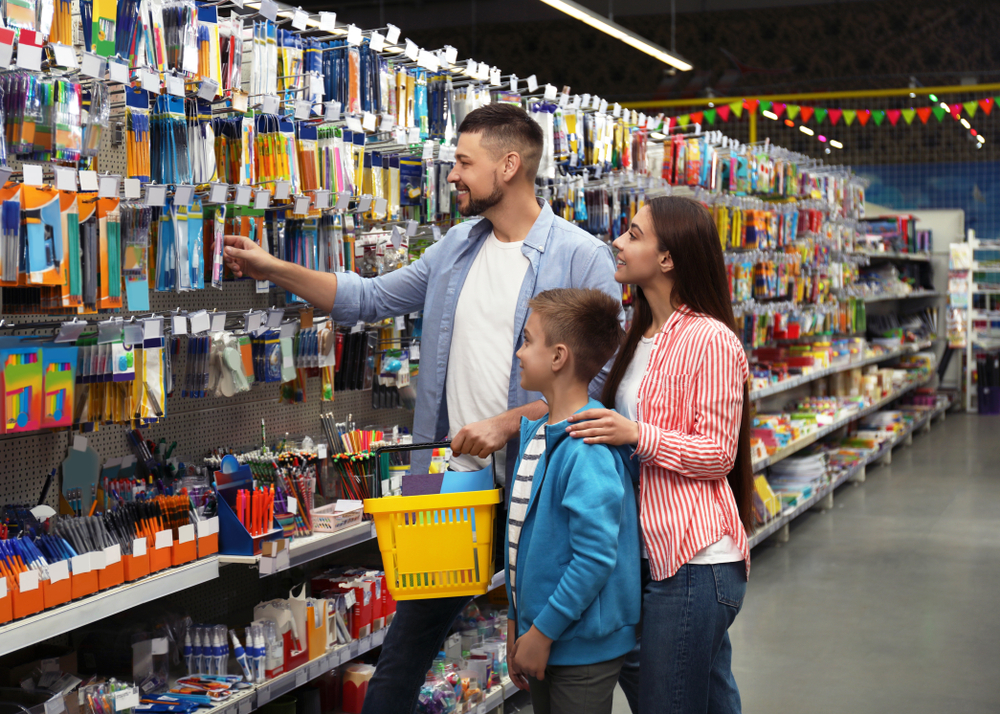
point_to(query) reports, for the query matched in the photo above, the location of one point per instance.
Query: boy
(572, 529)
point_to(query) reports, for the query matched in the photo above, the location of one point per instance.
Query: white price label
(321, 199)
(133, 188)
(300, 19)
(58, 571)
(185, 534)
(368, 122)
(79, 443)
(301, 205)
(28, 581)
(400, 322)
(112, 554)
(97, 560)
(29, 57)
(532, 84)
(343, 201)
(377, 41)
(208, 90)
(244, 194)
(412, 50)
(282, 190)
(380, 206)
(109, 187)
(155, 195)
(164, 539)
(183, 195)
(33, 174)
(392, 33)
(354, 35)
(513, 83)
(332, 111)
(150, 81)
(126, 699)
(218, 192)
(269, 9)
(302, 108)
(269, 104)
(328, 21)
(93, 66)
(138, 547)
(65, 56)
(262, 200)
(321, 451)
(175, 85)
(118, 72)
(81, 564)
(218, 322)
(55, 705)
(200, 322)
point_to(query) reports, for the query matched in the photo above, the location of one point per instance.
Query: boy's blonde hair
(586, 321)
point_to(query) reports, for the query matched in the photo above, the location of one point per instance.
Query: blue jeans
(685, 650)
(416, 635)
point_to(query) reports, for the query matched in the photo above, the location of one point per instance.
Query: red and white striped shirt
(690, 404)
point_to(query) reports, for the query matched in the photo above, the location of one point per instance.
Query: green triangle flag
(765, 106)
(879, 117)
(849, 115)
(737, 108)
(793, 110)
(710, 116)
(970, 108)
(908, 114)
(684, 119)
(820, 115)
(938, 111)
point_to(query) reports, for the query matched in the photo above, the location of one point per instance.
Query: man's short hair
(504, 128)
(586, 321)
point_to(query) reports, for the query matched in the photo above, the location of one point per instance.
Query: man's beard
(477, 206)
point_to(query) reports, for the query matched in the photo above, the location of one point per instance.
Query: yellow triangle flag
(737, 108)
(793, 110)
(908, 114)
(849, 115)
(684, 119)
(970, 108)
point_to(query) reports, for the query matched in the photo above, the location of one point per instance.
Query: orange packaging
(185, 549)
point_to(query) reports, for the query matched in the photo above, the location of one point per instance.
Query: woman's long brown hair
(685, 228)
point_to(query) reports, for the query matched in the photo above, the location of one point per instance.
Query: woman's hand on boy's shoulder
(603, 426)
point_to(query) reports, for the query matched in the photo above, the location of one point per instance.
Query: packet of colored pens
(138, 134)
(96, 113)
(171, 160)
(108, 698)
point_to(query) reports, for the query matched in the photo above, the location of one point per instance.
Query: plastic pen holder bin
(55, 594)
(111, 575)
(28, 603)
(437, 545)
(234, 538)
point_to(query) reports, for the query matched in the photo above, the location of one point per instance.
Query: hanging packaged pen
(209, 61)
(105, 14)
(308, 157)
(218, 243)
(138, 136)
(95, 115)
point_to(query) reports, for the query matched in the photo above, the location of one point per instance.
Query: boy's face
(535, 356)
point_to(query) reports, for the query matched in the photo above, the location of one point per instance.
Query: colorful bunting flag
(938, 111)
(893, 116)
(684, 119)
(765, 106)
(710, 116)
(793, 111)
(751, 104)
(835, 116)
(697, 117)
(724, 112)
(807, 112)
(778, 108)
(849, 115)
(925, 113)
(986, 105)
(863, 116)
(970, 108)
(737, 108)
(879, 116)
(908, 115)
(956, 110)
(820, 114)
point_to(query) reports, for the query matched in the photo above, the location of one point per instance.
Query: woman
(679, 388)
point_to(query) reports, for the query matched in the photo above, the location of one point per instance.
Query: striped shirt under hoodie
(520, 495)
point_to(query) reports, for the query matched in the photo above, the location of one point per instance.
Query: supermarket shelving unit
(972, 342)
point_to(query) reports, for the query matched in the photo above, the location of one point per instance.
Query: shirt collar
(537, 236)
(678, 314)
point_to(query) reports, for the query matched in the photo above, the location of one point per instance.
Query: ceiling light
(965, 123)
(836, 144)
(912, 95)
(932, 97)
(821, 138)
(789, 123)
(981, 139)
(945, 107)
(770, 115)
(618, 32)
(807, 131)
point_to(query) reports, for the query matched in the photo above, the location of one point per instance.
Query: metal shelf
(318, 545)
(915, 295)
(815, 436)
(916, 257)
(787, 516)
(68, 617)
(794, 382)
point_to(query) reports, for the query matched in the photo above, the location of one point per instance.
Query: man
(473, 286)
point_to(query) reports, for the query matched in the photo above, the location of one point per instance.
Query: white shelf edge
(21, 633)
(318, 545)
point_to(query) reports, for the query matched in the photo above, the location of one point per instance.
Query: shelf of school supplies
(785, 385)
(914, 295)
(793, 512)
(302, 550)
(65, 618)
(917, 257)
(813, 437)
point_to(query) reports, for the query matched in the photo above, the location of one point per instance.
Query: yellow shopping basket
(434, 546)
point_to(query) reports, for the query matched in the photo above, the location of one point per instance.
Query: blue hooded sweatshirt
(578, 554)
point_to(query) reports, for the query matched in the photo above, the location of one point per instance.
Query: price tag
(400, 322)
(532, 84)
(513, 83)
(412, 51)
(262, 200)
(218, 322)
(33, 174)
(436, 230)
(81, 564)
(282, 190)
(155, 195)
(322, 199)
(380, 204)
(55, 705)
(301, 677)
(218, 192)
(354, 35)
(481, 709)
(321, 451)
(302, 108)
(126, 699)
(328, 21)
(185, 534)
(275, 316)
(575, 104)
(112, 554)
(175, 85)
(301, 205)
(138, 547)
(200, 322)
(358, 327)
(97, 560)
(252, 322)
(93, 66)
(343, 201)
(58, 571)
(392, 33)
(269, 104)
(263, 696)
(603, 106)
(244, 194)
(414, 136)
(269, 9)
(355, 648)
(178, 325)
(240, 100)
(495, 77)
(160, 646)
(109, 187)
(616, 110)
(397, 238)
(133, 188)
(208, 89)
(118, 72)
(364, 204)
(183, 195)
(450, 54)
(388, 123)
(332, 111)
(164, 539)
(428, 153)
(354, 124)
(293, 504)
(150, 81)
(300, 19)
(65, 56)
(79, 442)
(377, 41)
(368, 122)
(29, 56)
(3, 588)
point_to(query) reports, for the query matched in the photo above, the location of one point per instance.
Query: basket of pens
(437, 544)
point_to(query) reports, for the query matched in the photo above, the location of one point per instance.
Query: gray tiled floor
(891, 601)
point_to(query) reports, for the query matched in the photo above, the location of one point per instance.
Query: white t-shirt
(723, 550)
(482, 343)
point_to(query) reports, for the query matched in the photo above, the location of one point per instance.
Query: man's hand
(484, 437)
(519, 680)
(531, 654)
(246, 258)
